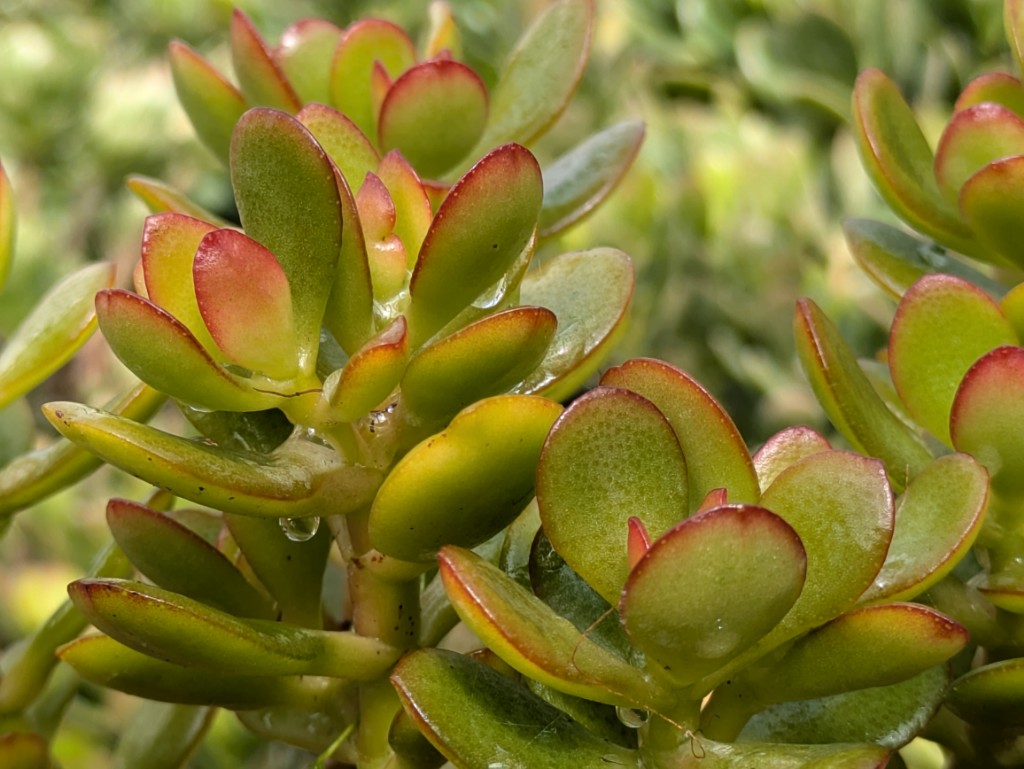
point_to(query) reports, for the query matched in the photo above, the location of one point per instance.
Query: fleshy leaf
(164, 354)
(25, 750)
(176, 558)
(465, 484)
(528, 635)
(292, 572)
(261, 79)
(540, 76)
(434, 113)
(212, 104)
(988, 418)
(689, 603)
(370, 375)
(527, 732)
(185, 632)
(246, 304)
(973, 138)
(349, 314)
(161, 198)
(362, 45)
(161, 734)
(942, 326)
(868, 647)
(283, 180)
(991, 694)
(610, 457)
(8, 226)
(938, 518)
(992, 203)
(298, 479)
(385, 253)
(895, 260)
(412, 207)
(708, 754)
(342, 140)
(1013, 22)
(578, 182)
(995, 87)
(784, 449)
(483, 225)
(850, 401)
(716, 456)
(889, 716)
(483, 359)
(841, 506)
(47, 339)
(304, 57)
(589, 292)
(900, 163)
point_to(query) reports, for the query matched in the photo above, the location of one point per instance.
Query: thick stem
(727, 712)
(663, 739)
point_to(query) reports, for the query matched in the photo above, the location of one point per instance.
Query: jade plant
(950, 382)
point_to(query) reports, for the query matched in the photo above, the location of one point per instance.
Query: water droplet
(632, 717)
(300, 529)
(385, 312)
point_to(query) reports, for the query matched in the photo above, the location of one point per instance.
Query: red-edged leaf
(370, 374)
(262, 80)
(412, 206)
(992, 202)
(305, 55)
(974, 138)
(347, 146)
(211, 102)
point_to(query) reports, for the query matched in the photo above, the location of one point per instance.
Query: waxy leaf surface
(938, 518)
(711, 587)
(441, 690)
(995, 87)
(178, 559)
(784, 449)
(992, 203)
(283, 180)
(465, 484)
(589, 292)
(261, 79)
(305, 56)
(212, 104)
(528, 635)
(54, 331)
(298, 479)
(345, 144)
(852, 404)
(371, 374)
(942, 326)
(412, 206)
(484, 223)
(716, 456)
(349, 315)
(610, 457)
(992, 694)
(161, 198)
(434, 113)
(483, 359)
(578, 182)
(975, 137)
(707, 754)
(988, 418)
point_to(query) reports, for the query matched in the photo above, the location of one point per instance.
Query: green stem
(727, 712)
(664, 739)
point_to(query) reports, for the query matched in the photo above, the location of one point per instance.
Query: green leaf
(305, 55)
(841, 506)
(785, 449)
(298, 479)
(895, 260)
(465, 484)
(483, 225)
(540, 76)
(362, 46)
(370, 375)
(246, 304)
(179, 630)
(973, 138)
(869, 647)
(991, 694)
(412, 206)
(1013, 22)
(283, 180)
(47, 339)
(291, 571)
(988, 418)
(850, 401)
(707, 754)
(434, 113)
(900, 163)
(992, 203)
(589, 292)
(942, 326)
(890, 716)
(161, 198)
(162, 735)
(483, 359)
(174, 557)
(716, 457)
(711, 587)
(8, 226)
(530, 637)
(261, 79)
(579, 181)
(994, 87)
(610, 457)
(441, 690)
(34, 476)
(212, 104)
(349, 314)
(938, 519)
(162, 352)
(345, 144)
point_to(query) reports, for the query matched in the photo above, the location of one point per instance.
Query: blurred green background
(731, 213)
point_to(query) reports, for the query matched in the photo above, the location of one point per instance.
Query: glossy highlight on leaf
(784, 449)
(353, 153)
(371, 374)
(304, 57)
(975, 137)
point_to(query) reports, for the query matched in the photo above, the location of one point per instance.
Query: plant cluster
(384, 443)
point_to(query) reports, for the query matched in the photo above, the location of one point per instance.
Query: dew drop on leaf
(632, 717)
(300, 529)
